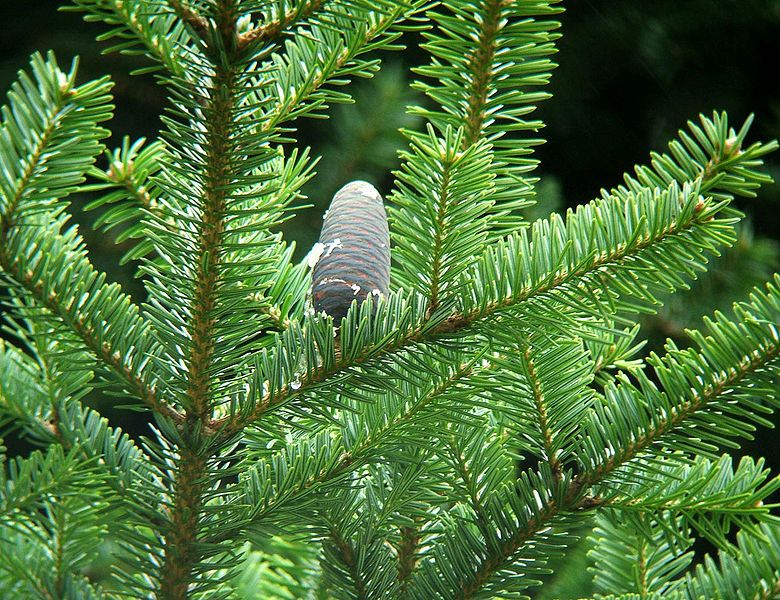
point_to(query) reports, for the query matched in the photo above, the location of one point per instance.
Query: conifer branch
(441, 211)
(219, 171)
(619, 352)
(59, 551)
(273, 30)
(463, 472)
(639, 554)
(182, 554)
(541, 410)
(103, 350)
(366, 451)
(721, 161)
(752, 571)
(198, 23)
(130, 195)
(641, 569)
(462, 320)
(140, 22)
(29, 386)
(20, 380)
(734, 176)
(488, 349)
(719, 384)
(135, 190)
(347, 554)
(63, 107)
(438, 241)
(573, 496)
(39, 476)
(212, 229)
(412, 413)
(294, 105)
(52, 120)
(487, 58)
(496, 560)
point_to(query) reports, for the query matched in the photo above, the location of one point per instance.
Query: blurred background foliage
(631, 73)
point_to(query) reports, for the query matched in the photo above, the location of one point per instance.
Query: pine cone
(353, 254)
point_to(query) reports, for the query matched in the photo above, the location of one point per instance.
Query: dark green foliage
(457, 438)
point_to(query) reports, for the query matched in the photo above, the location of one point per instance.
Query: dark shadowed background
(631, 73)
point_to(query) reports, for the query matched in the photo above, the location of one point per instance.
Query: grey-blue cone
(353, 254)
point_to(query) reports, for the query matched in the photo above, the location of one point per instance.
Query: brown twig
(272, 31)
(480, 67)
(407, 553)
(541, 410)
(198, 23)
(347, 553)
(180, 541)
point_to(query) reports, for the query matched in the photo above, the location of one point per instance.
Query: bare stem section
(481, 70)
(212, 230)
(180, 542)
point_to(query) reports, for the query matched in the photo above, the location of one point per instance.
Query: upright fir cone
(352, 259)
